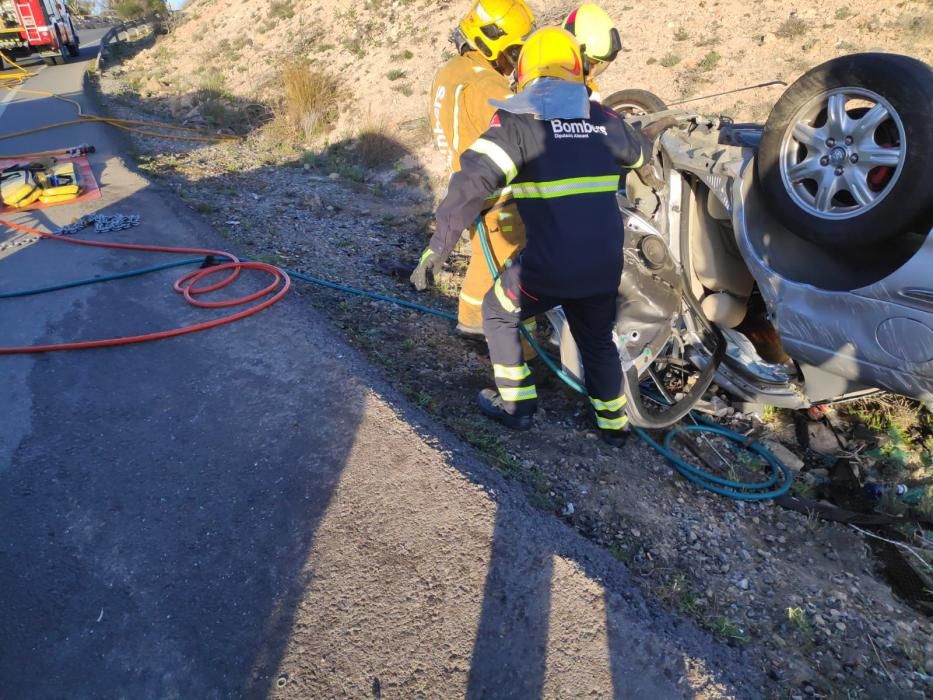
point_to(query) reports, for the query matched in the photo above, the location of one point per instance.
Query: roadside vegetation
(81, 8)
(310, 100)
(135, 9)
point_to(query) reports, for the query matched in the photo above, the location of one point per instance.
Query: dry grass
(791, 28)
(281, 9)
(377, 146)
(882, 412)
(310, 99)
(917, 25)
(905, 435)
(709, 62)
(697, 75)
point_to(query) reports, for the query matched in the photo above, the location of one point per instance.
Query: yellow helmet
(498, 27)
(551, 52)
(594, 29)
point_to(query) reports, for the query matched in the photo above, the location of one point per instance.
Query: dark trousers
(591, 320)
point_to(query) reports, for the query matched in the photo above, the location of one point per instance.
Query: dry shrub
(792, 27)
(310, 99)
(137, 9)
(885, 411)
(377, 145)
(377, 150)
(916, 24)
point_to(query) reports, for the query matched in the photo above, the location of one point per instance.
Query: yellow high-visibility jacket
(460, 111)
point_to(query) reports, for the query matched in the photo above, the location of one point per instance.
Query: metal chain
(103, 223)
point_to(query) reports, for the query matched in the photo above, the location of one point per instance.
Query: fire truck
(37, 27)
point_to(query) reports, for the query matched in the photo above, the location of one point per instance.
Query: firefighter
(598, 38)
(488, 40)
(560, 154)
(600, 43)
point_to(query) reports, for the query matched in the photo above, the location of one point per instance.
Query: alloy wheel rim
(843, 154)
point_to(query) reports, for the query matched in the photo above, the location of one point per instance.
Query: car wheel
(635, 102)
(845, 158)
(74, 48)
(62, 56)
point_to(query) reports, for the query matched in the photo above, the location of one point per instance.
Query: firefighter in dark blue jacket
(560, 155)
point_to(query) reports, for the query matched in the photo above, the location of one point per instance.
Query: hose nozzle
(81, 150)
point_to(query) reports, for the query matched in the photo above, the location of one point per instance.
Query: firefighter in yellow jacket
(561, 154)
(488, 39)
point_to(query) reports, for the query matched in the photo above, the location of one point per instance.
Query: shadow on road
(161, 502)
(159, 506)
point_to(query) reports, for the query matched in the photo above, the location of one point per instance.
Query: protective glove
(429, 262)
(649, 176)
(654, 129)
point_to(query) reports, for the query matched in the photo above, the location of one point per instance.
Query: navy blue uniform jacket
(563, 174)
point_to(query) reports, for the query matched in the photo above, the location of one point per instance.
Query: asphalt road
(251, 512)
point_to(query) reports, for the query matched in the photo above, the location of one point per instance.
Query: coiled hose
(190, 286)
(777, 484)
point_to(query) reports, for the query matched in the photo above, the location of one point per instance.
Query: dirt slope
(388, 50)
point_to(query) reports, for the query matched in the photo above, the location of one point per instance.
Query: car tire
(61, 57)
(635, 102)
(845, 158)
(74, 48)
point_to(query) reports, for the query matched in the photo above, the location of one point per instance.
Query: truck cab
(37, 27)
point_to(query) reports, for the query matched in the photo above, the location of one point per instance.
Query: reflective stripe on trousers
(609, 414)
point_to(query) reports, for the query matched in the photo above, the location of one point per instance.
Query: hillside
(384, 52)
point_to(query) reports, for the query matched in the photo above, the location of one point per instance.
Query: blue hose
(95, 280)
(777, 485)
(371, 295)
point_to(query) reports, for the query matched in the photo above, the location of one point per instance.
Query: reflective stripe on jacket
(563, 173)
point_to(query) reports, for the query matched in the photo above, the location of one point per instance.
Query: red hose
(186, 286)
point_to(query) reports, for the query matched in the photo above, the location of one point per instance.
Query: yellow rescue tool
(47, 182)
(59, 183)
(18, 187)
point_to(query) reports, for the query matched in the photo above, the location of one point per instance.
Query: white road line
(11, 92)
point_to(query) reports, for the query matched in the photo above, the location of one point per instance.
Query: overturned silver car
(792, 262)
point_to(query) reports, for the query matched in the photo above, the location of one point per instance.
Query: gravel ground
(803, 598)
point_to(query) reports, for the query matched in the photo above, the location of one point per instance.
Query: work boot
(492, 405)
(471, 332)
(615, 438)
